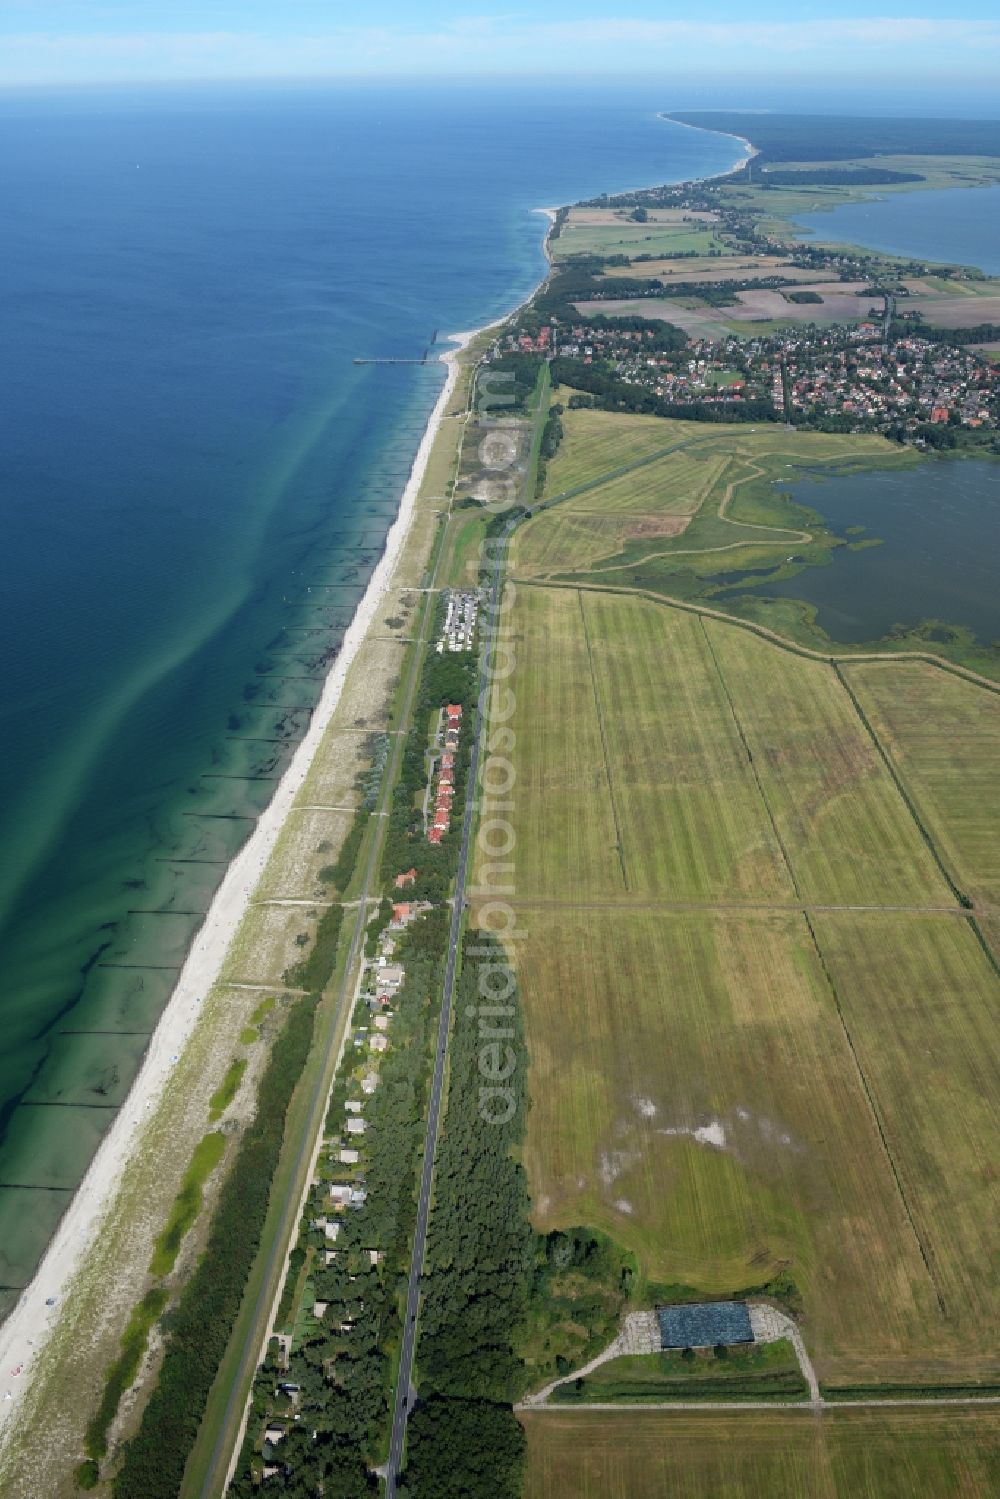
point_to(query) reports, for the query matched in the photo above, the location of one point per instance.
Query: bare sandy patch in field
(637, 526)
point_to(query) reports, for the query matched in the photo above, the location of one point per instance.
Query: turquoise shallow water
(185, 445)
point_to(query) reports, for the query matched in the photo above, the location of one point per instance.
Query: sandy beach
(33, 1320)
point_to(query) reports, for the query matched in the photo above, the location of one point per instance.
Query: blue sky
(67, 41)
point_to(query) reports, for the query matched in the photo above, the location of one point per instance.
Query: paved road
(405, 1393)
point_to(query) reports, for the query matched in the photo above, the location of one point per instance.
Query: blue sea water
(185, 445)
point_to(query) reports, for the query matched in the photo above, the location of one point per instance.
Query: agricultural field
(943, 736)
(919, 997)
(598, 443)
(749, 311)
(732, 917)
(897, 1454)
(715, 268)
(609, 804)
(686, 515)
(845, 829)
(695, 1094)
(650, 502)
(956, 311)
(614, 232)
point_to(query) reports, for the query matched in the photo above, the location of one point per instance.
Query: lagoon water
(185, 280)
(956, 227)
(939, 529)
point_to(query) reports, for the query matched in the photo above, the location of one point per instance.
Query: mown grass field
(848, 835)
(943, 736)
(736, 926)
(631, 775)
(565, 813)
(647, 504)
(900, 1454)
(920, 1000)
(633, 473)
(714, 268)
(634, 239)
(694, 1094)
(748, 1373)
(598, 442)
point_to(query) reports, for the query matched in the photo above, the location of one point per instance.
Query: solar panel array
(704, 1324)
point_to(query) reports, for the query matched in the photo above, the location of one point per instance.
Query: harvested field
(725, 479)
(694, 1094)
(701, 322)
(655, 500)
(625, 237)
(842, 302)
(566, 817)
(920, 999)
(889, 1454)
(715, 268)
(955, 310)
(691, 820)
(616, 216)
(639, 526)
(721, 765)
(609, 802)
(599, 442)
(846, 830)
(700, 818)
(943, 736)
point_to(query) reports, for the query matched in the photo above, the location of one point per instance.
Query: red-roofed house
(434, 836)
(447, 778)
(402, 880)
(448, 761)
(401, 913)
(454, 712)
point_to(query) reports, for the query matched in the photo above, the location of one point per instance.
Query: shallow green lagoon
(939, 525)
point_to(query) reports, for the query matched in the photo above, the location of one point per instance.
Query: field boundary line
(799, 538)
(876, 1112)
(862, 658)
(901, 788)
(868, 1087)
(604, 741)
(968, 909)
(559, 1407)
(654, 903)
